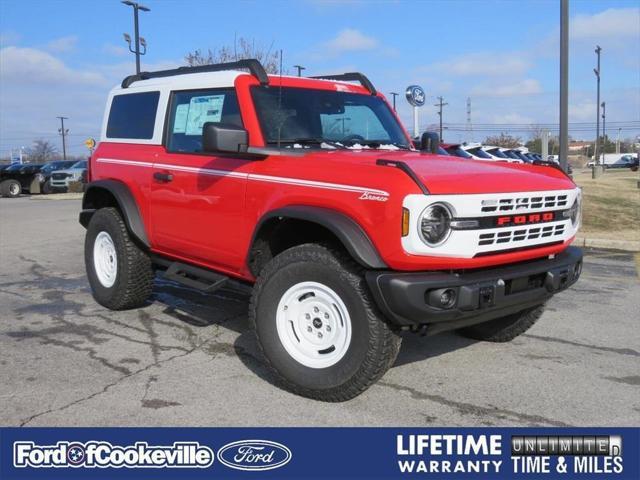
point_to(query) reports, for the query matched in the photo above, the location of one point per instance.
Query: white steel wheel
(105, 259)
(14, 189)
(313, 325)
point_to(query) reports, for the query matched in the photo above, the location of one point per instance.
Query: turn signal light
(405, 222)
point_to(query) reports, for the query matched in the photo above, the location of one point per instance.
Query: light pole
(137, 52)
(394, 94)
(597, 72)
(564, 84)
(63, 132)
(300, 69)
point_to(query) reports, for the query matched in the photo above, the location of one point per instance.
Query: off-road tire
(373, 347)
(504, 329)
(134, 276)
(8, 188)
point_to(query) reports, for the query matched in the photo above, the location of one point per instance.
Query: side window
(133, 115)
(191, 110)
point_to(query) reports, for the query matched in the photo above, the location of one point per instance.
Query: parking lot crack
(476, 410)
(620, 351)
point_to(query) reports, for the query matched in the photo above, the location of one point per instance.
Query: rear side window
(133, 115)
(191, 110)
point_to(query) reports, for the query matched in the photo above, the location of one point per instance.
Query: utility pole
(137, 39)
(564, 84)
(394, 94)
(63, 132)
(596, 149)
(300, 69)
(618, 141)
(469, 127)
(440, 104)
(604, 131)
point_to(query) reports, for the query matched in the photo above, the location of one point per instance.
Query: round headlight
(435, 224)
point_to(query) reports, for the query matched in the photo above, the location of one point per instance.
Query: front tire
(504, 329)
(317, 325)
(119, 272)
(47, 188)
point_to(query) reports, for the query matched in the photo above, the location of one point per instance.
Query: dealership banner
(181, 453)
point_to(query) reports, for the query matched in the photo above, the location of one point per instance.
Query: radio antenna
(281, 120)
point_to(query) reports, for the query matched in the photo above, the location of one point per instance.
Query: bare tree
(42, 151)
(503, 140)
(242, 49)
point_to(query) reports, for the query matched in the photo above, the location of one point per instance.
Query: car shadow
(227, 307)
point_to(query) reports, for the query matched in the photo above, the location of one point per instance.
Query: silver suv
(60, 179)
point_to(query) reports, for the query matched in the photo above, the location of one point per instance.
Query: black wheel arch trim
(126, 202)
(347, 230)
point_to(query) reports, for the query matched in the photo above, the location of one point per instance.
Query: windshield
(298, 117)
(80, 164)
(442, 151)
(478, 152)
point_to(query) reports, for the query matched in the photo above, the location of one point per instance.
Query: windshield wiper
(378, 144)
(311, 141)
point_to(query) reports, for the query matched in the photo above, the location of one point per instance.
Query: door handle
(162, 177)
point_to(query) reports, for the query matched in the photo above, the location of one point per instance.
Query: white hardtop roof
(185, 81)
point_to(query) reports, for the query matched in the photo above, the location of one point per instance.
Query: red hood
(447, 175)
(451, 175)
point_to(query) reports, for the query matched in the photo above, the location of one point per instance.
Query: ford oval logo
(415, 95)
(254, 455)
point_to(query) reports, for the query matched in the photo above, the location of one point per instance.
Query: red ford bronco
(311, 190)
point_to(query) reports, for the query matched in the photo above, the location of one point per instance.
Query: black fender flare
(347, 230)
(126, 202)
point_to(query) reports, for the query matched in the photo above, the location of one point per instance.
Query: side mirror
(430, 142)
(224, 137)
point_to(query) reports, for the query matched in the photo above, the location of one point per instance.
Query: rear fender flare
(126, 203)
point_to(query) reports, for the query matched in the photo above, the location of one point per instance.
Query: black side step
(195, 277)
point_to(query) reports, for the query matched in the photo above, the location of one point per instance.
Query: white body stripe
(247, 176)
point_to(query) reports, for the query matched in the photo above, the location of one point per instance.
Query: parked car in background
(60, 179)
(456, 150)
(618, 160)
(476, 152)
(496, 153)
(29, 177)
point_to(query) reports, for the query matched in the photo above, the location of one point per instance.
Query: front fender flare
(347, 230)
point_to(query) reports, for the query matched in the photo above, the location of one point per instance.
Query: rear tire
(120, 273)
(317, 326)
(10, 188)
(504, 329)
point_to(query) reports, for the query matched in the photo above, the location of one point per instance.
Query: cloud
(30, 65)
(37, 86)
(611, 23)
(63, 44)
(527, 86)
(484, 63)
(115, 50)
(350, 40)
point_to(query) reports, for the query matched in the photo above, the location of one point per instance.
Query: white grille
(514, 236)
(515, 204)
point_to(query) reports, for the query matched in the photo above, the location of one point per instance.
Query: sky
(61, 57)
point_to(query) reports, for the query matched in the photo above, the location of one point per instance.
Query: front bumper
(413, 300)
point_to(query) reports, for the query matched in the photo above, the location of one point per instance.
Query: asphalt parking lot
(189, 359)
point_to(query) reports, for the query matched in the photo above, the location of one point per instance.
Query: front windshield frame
(313, 133)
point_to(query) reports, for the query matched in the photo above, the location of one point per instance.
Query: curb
(625, 245)
(58, 196)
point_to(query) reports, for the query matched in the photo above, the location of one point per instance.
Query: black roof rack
(351, 77)
(251, 64)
